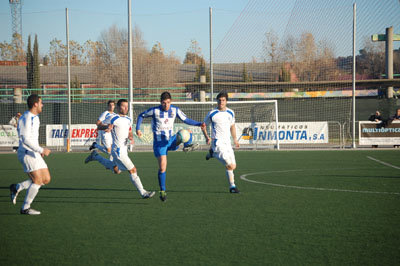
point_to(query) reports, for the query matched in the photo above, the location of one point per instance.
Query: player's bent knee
(231, 166)
(133, 170)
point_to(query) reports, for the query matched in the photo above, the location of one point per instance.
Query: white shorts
(225, 154)
(31, 161)
(106, 139)
(122, 160)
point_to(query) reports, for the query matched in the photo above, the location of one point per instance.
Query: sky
(173, 23)
(239, 26)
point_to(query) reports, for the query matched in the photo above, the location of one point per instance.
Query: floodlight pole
(211, 60)
(354, 75)
(130, 62)
(68, 82)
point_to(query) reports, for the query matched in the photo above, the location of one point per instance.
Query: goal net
(256, 122)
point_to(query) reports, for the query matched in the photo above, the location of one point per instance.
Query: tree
(36, 66)
(193, 54)
(29, 65)
(76, 94)
(57, 53)
(271, 47)
(12, 51)
(247, 77)
(284, 75)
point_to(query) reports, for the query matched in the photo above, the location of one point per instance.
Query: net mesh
(297, 52)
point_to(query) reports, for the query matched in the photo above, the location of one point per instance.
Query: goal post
(256, 122)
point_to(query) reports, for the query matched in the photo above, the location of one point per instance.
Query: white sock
(30, 195)
(137, 183)
(107, 163)
(24, 185)
(231, 177)
(102, 148)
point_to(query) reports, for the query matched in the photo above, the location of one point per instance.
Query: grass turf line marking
(381, 162)
(243, 177)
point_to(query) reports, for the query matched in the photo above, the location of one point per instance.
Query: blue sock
(161, 180)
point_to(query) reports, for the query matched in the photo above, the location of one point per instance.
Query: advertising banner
(8, 136)
(375, 133)
(288, 133)
(81, 135)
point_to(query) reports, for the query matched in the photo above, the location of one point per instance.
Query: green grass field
(295, 207)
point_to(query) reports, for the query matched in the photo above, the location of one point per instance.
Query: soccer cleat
(234, 190)
(91, 156)
(30, 211)
(209, 154)
(148, 194)
(13, 193)
(191, 147)
(163, 195)
(93, 146)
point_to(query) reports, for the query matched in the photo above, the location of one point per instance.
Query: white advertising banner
(81, 135)
(288, 133)
(374, 133)
(8, 136)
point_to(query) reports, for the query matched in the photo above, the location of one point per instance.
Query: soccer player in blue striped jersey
(222, 121)
(120, 126)
(162, 123)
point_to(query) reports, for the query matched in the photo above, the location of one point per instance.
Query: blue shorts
(162, 147)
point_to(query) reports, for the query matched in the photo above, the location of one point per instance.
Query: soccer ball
(183, 135)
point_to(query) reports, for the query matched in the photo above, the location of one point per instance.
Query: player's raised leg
(94, 156)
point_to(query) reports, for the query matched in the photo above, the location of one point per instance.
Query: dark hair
(222, 94)
(121, 101)
(110, 101)
(32, 99)
(165, 95)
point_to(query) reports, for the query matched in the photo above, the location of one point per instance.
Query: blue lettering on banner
(59, 133)
(284, 135)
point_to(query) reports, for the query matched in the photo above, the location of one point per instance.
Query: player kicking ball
(120, 126)
(163, 117)
(222, 121)
(30, 154)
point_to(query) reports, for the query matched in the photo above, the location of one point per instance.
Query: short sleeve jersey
(221, 122)
(28, 132)
(120, 132)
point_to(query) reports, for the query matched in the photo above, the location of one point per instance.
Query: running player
(222, 120)
(163, 117)
(120, 126)
(30, 154)
(104, 135)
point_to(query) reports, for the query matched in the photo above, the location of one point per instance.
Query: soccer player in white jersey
(30, 154)
(163, 117)
(120, 126)
(222, 121)
(104, 135)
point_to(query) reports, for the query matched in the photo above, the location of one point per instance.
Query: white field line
(384, 163)
(243, 177)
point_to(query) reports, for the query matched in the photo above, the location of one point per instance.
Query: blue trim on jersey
(212, 114)
(229, 111)
(114, 118)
